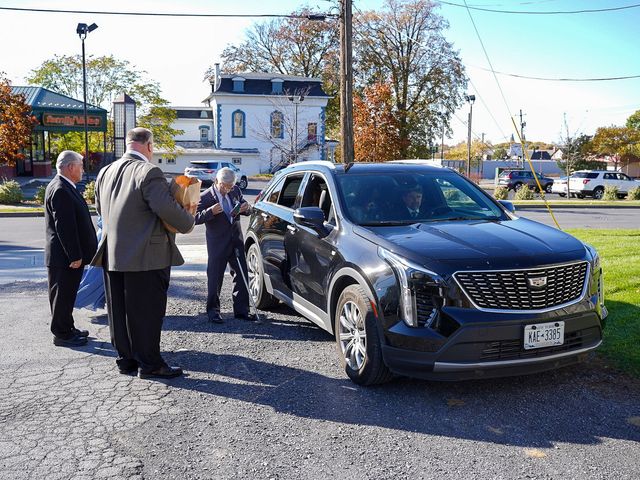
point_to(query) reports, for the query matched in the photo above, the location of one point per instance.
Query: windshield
(405, 198)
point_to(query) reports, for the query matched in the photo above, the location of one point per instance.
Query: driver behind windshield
(412, 198)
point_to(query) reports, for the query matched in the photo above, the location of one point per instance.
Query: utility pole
(442, 145)
(480, 164)
(470, 99)
(523, 144)
(346, 82)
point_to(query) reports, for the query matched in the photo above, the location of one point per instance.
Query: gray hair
(139, 135)
(226, 175)
(66, 158)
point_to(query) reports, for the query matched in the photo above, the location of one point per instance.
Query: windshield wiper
(387, 223)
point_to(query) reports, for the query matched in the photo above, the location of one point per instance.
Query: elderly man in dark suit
(219, 209)
(70, 244)
(136, 252)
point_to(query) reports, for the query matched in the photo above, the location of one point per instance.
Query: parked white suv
(206, 171)
(592, 182)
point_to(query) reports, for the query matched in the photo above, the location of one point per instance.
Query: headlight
(595, 257)
(408, 272)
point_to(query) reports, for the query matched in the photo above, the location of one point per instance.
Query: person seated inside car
(366, 207)
(412, 200)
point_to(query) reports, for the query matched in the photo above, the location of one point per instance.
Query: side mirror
(312, 217)
(508, 205)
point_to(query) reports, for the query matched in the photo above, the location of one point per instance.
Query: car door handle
(292, 229)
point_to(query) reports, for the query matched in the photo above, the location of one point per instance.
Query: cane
(246, 284)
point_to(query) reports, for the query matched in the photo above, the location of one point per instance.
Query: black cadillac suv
(419, 272)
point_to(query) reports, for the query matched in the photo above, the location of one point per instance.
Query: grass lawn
(620, 256)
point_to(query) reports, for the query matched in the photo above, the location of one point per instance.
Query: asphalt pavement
(270, 401)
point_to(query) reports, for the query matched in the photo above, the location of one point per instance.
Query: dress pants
(216, 265)
(137, 302)
(63, 288)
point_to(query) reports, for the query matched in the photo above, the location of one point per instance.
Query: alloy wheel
(253, 270)
(353, 335)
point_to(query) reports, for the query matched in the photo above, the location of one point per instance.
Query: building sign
(70, 120)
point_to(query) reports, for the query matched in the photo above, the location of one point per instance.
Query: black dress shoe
(163, 372)
(74, 341)
(214, 317)
(80, 333)
(249, 317)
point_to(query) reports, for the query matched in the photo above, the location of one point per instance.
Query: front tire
(547, 187)
(244, 183)
(358, 339)
(257, 290)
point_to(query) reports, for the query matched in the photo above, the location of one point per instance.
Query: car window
(285, 191)
(403, 198)
(622, 176)
(316, 194)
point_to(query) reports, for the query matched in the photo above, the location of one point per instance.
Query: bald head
(140, 140)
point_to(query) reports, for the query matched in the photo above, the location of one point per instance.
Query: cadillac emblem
(537, 282)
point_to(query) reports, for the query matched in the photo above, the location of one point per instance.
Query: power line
(547, 79)
(314, 16)
(555, 12)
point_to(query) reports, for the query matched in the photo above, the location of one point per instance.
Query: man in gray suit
(136, 252)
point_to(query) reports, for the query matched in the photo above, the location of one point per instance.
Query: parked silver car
(206, 170)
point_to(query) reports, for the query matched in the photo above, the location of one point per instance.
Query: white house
(254, 120)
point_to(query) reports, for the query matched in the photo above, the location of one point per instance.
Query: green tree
(107, 77)
(16, 123)
(405, 42)
(633, 121)
(291, 46)
(499, 153)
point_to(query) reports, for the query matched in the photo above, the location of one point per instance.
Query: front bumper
(488, 350)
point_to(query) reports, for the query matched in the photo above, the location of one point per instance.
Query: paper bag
(186, 190)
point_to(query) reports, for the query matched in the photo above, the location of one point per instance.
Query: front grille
(534, 289)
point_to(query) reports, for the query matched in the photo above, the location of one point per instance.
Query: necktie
(226, 206)
(414, 213)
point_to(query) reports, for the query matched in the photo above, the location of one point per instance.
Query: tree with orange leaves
(16, 123)
(376, 132)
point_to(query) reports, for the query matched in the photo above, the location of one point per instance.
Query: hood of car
(517, 243)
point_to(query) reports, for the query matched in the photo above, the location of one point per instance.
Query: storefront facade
(55, 113)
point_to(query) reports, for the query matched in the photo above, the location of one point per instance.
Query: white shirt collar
(137, 154)
(72, 184)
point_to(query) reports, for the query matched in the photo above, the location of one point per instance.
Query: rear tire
(517, 187)
(255, 271)
(598, 192)
(358, 339)
(562, 194)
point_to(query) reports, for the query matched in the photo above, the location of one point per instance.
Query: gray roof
(42, 98)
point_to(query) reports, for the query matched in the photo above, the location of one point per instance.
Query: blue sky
(176, 52)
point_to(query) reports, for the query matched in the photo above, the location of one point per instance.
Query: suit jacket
(70, 235)
(133, 198)
(219, 230)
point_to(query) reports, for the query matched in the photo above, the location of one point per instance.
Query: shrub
(10, 192)
(525, 193)
(500, 193)
(90, 192)
(610, 192)
(634, 194)
(39, 196)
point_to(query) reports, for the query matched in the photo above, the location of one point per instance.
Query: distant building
(255, 120)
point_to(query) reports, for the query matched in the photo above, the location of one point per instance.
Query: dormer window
(276, 85)
(238, 84)
(203, 114)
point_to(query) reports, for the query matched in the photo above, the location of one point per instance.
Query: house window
(312, 132)
(204, 133)
(238, 84)
(237, 127)
(203, 114)
(171, 161)
(276, 86)
(236, 160)
(276, 125)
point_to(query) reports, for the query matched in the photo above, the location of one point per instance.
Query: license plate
(543, 335)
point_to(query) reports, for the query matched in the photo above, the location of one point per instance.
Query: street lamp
(296, 100)
(470, 99)
(83, 30)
